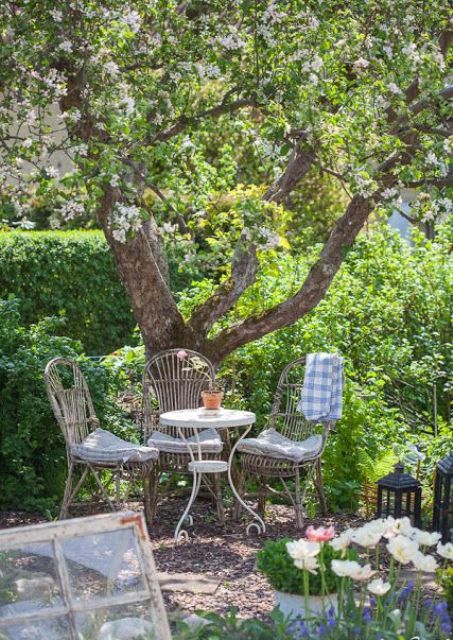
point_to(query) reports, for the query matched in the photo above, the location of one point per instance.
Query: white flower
(368, 535)
(342, 541)
(307, 564)
(299, 549)
(425, 538)
(432, 159)
(52, 172)
(114, 181)
(65, 46)
(56, 15)
(111, 68)
(387, 194)
(394, 88)
(424, 563)
(119, 235)
(129, 105)
(132, 19)
(401, 526)
(360, 64)
(352, 569)
(379, 587)
(445, 550)
(27, 143)
(448, 145)
(402, 549)
(304, 553)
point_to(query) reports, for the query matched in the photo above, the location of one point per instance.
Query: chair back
(285, 417)
(70, 399)
(172, 380)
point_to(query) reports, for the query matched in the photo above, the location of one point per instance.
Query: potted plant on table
(312, 590)
(212, 398)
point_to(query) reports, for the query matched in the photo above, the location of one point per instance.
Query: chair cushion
(272, 444)
(210, 442)
(102, 446)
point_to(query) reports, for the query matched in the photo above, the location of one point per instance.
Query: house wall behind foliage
(70, 274)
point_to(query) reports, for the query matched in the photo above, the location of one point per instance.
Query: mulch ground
(224, 552)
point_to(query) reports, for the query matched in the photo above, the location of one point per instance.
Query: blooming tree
(357, 89)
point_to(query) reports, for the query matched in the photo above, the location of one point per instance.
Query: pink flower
(182, 354)
(322, 534)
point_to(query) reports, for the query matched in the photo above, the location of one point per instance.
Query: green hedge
(70, 274)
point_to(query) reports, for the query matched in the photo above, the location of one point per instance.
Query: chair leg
(70, 491)
(298, 502)
(319, 484)
(262, 494)
(67, 493)
(101, 487)
(217, 487)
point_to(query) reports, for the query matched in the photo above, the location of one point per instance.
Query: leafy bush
(277, 565)
(69, 274)
(445, 581)
(32, 450)
(388, 312)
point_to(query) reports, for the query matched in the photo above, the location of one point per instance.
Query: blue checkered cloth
(322, 393)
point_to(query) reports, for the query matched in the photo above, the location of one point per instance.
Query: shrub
(70, 274)
(445, 581)
(277, 565)
(32, 450)
(388, 312)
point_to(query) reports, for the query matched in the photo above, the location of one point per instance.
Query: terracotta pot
(212, 399)
(292, 605)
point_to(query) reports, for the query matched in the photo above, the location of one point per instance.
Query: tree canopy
(163, 107)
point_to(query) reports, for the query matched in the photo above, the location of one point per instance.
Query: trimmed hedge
(70, 274)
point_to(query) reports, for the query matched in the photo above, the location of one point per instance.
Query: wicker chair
(88, 446)
(288, 428)
(172, 380)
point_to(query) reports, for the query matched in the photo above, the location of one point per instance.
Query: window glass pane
(124, 621)
(28, 580)
(103, 565)
(50, 629)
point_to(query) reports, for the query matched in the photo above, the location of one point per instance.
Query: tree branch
(244, 267)
(311, 292)
(186, 121)
(245, 264)
(299, 163)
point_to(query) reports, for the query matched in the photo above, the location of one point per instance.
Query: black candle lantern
(443, 499)
(399, 495)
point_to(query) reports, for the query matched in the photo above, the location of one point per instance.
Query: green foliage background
(69, 274)
(389, 312)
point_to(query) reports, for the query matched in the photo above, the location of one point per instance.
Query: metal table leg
(258, 523)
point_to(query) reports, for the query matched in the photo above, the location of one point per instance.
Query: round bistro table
(197, 420)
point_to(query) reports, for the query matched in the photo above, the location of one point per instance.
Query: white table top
(202, 418)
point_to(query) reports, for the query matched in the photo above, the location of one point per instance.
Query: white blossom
(71, 209)
(378, 587)
(394, 88)
(111, 68)
(56, 15)
(425, 538)
(360, 64)
(427, 564)
(367, 536)
(352, 569)
(52, 171)
(402, 549)
(342, 541)
(66, 46)
(448, 145)
(445, 550)
(132, 19)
